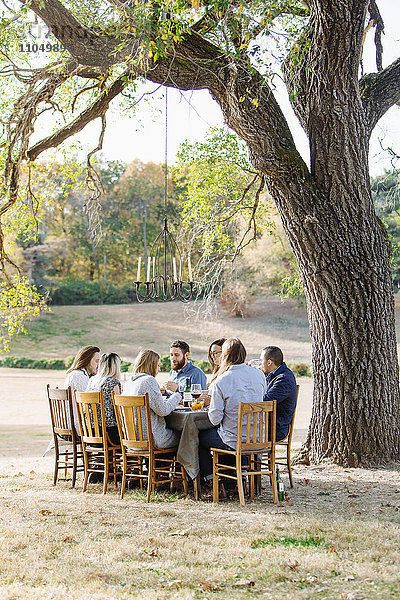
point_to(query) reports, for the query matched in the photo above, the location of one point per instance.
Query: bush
(165, 364)
(235, 300)
(204, 365)
(125, 366)
(301, 369)
(33, 363)
(90, 292)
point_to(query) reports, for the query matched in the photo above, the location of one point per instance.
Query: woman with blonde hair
(107, 380)
(236, 382)
(145, 369)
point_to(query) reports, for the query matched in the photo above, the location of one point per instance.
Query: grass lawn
(128, 328)
(336, 537)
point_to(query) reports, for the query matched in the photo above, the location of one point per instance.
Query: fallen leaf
(32, 472)
(291, 565)
(176, 583)
(244, 583)
(354, 596)
(44, 511)
(331, 549)
(181, 532)
(311, 578)
(209, 587)
(66, 538)
(307, 481)
(354, 496)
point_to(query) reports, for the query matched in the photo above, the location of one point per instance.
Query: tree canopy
(99, 50)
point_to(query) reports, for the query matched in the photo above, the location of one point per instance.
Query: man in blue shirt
(182, 368)
(281, 387)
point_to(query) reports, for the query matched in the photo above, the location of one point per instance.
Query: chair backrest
(134, 430)
(257, 425)
(60, 403)
(92, 419)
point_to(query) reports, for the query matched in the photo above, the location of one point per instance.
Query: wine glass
(254, 362)
(195, 391)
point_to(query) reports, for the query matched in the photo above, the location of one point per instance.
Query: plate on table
(183, 408)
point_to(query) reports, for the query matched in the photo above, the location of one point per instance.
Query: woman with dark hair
(85, 364)
(214, 356)
(235, 382)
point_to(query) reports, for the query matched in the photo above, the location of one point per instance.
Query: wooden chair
(138, 444)
(99, 453)
(62, 424)
(287, 441)
(259, 422)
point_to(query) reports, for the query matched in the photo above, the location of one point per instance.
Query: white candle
(139, 264)
(190, 269)
(148, 268)
(174, 265)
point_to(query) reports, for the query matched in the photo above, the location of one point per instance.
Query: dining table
(189, 422)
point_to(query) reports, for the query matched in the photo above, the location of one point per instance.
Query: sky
(140, 134)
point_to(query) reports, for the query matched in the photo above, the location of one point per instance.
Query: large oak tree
(341, 247)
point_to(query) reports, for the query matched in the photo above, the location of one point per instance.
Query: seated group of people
(232, 381)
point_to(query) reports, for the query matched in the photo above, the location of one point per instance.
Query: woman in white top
(236, 382)
(85, 364)
(143, 380)
(107, 380)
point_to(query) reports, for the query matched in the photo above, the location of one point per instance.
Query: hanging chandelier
(163, 270)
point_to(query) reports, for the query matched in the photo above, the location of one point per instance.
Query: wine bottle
(281, 488)
(187, 396)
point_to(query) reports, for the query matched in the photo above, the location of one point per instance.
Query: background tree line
(60, 257)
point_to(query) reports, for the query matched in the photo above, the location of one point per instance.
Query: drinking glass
(196, 391)
(255, 362)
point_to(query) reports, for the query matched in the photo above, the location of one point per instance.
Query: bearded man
(182, 368)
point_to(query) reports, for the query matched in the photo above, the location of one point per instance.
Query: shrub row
(299, 369)
(90, 292)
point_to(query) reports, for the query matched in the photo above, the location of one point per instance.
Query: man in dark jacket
(281, 387)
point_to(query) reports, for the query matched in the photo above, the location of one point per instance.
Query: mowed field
(128, 328)
(335, 537)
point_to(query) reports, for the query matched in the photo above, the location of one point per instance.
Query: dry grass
(335, 538)
(337, 535)
(127, 328)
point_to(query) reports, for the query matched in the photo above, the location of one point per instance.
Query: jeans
(209, 438)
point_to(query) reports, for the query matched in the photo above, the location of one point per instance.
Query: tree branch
(380, 91)
(97, 109)
(378, 22)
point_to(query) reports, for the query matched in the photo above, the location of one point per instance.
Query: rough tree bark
(341, 247)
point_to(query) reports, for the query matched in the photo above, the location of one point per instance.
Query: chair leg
(289, 466)
(86, 465)
(74, 465)
(57, 456)
(215, 477)
(66, 465)
(197, 487)
(124, 470)
(251, 477)
(106, 470)
(150, 478)
(184, 481)
(240, 479)
(273, 483)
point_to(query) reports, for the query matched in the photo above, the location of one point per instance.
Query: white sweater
(160, 407)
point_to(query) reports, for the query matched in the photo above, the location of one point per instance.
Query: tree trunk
(344, 258)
